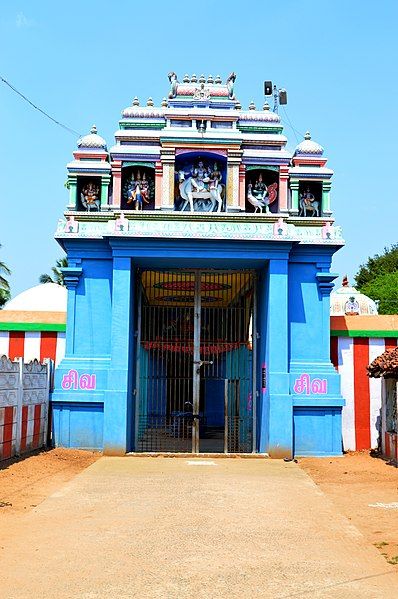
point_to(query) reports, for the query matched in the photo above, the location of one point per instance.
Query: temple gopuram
(199, 251)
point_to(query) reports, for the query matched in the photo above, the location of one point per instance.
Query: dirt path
(25, 483)
(365, 490)
(180, 528)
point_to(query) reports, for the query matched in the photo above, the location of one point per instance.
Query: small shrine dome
(347, 301)
(46, 297)
(92, 140)
(308, 147)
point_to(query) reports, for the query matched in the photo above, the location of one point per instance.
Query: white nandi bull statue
(208, 193)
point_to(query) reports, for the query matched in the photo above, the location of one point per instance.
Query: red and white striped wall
(33, 429)
(362, 413)
(31, 345)
(8, 432)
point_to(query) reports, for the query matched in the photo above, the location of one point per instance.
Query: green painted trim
(142, 164)
(124, 126)
(259, 129)
(202, 141)
(261, 167)
(359, 333)
(31, 326)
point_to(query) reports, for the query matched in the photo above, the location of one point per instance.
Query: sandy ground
(355, 483)
(26, 482)
(181, 528)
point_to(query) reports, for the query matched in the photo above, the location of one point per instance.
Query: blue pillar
(118, 399)
(325, 287)
(71, 275)
(275, 328)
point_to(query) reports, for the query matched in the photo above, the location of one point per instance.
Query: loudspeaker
(267, 88)
(282, 96)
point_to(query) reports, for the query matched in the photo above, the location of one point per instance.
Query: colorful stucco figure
(199, 287)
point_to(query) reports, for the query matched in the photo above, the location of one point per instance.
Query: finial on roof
(92, 140)
(186, 78)
(217, 79)
(210, 79)
(164, 103)
(266, 106)
(346, 282)
(149, 102)
(307, 135)
(194, 79)
(238, 105)
(252, 106)
(202, 79)
(136, 101)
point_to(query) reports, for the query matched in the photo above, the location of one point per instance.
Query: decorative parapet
(122, 225)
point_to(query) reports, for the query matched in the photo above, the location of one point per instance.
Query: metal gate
(195, 366)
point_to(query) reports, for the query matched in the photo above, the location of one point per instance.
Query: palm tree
(57, 276)
(4, 284)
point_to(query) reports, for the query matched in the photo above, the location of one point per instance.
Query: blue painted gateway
(199, 252)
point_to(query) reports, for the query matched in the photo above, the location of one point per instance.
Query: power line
(14, 89)
(291, 126)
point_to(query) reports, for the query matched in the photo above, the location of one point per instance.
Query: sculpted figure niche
(200, 188)
(139, 191)
(90, 196)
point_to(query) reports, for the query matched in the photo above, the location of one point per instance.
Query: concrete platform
(190, 527)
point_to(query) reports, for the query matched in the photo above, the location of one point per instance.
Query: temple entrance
(195, 367)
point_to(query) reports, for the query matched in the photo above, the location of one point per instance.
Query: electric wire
(14, 89)
(295, 131)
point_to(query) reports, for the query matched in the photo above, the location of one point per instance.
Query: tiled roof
(385, 366)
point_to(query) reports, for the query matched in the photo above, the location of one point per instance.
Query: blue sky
(84, 61)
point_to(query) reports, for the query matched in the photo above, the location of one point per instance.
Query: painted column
(117, 407)
(167, 156)
(242, 187)
(72, 275)
(72, 186)
(294, 186)
(105, 180)
(158, 185)
(326, 186)
(275, 329)
(283, 189)
(233, 187)
(117, 183)
(325, 287)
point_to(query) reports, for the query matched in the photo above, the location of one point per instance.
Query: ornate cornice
(213, 226)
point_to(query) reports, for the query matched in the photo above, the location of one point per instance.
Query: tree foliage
(4, 284)
(57, 276)
(378, 278)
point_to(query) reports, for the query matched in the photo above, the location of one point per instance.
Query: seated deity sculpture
(90, 196)
(200, 177)
(308, 197)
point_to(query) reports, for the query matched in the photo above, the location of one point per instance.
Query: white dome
(47, 297)
(347, 301)
(308, 146)
(92, 140)
(266, 115)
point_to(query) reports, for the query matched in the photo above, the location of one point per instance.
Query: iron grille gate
(195, 366)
